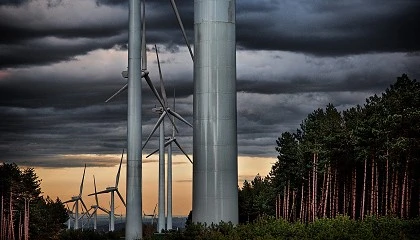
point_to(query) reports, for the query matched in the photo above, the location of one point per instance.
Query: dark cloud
(14, 3)
(111, 2)
(52, 93)
(330, 28)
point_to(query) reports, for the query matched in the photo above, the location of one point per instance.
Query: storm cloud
(60, 60)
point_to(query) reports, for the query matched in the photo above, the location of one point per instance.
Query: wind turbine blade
(94, 211)
(74, 205)
(150, 154)
(182, 150)
(83, 178)
(175, 114)
(154, 210)
(154, 128)
(96, 195)
(103, 209)
(166, 144)
(122, 199)
(143, 37)
(155, 92)
(174, 7)
(84, 205)
(162, 86)
(119, 170)
(69, 201)
(101, 192)
(117, 93)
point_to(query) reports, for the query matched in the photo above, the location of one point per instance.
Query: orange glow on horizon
(65, 182)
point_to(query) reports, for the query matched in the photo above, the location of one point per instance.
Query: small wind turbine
(112, 190)
(76, 200)
(96, 207)
(70, 214)
(153, 216)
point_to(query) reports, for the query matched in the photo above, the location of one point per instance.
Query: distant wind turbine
(96, 207)
(70, 214)
(113, 190)
(153, 216)
(134, 194)
(168, 144)
(160, 124)
(76, 200)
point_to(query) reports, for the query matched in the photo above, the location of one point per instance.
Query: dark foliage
(46, 217)
(362, 161)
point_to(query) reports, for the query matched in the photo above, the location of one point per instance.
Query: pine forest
(358, 162)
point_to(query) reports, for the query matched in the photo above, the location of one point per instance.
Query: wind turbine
(70, 214)
(113, 190)
(168, 144)
(76, 200)
(96, 207)
(160, 123)
(153, 216)
(134, 195)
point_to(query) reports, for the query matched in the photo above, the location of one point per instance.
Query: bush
(341, 227)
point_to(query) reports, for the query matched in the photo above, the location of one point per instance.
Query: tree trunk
(324, 186)
(284, 202)
(403, 195)
(293, 207)
(396, 193)
(309, 212)
(330, 192)
(372, 189)
(353, 197)
(344, 208)
(386, 184)
(314, 185)
(324, 213)
(376, 189)
(301, 204)
(287, 200)
(362, 210)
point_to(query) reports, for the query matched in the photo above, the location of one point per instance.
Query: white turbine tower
(113, 190)
(96, 207)
(76, 200)
(215, 149)
(160, 123)
(70, 214)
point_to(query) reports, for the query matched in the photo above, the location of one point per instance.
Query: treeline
(327, 229)
(361, 161)
(24, 212)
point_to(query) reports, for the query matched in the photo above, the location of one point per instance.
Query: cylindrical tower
(215, 168)
(133, 225)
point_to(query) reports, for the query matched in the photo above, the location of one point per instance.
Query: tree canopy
(361, 161)
(20, 191)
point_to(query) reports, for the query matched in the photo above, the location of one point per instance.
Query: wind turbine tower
(112, 190)
(215, 168)
(133, 225)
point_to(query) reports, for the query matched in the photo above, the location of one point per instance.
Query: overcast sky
(59, 61)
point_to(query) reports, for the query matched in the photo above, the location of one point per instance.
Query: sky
(61, 59)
